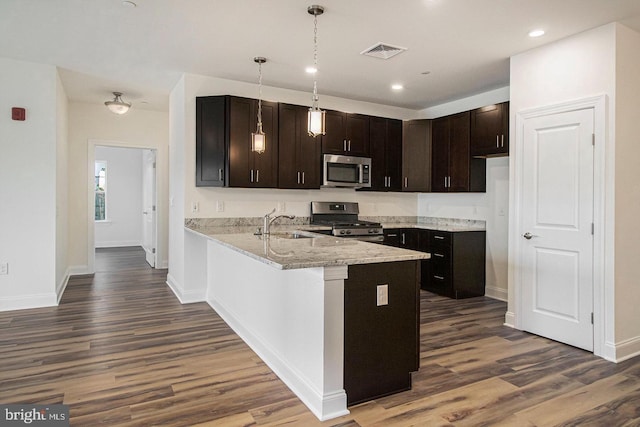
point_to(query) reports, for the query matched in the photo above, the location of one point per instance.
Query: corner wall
(139, 129)
(28, 184)
(62, 182)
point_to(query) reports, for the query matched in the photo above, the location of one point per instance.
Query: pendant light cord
(315, 60)
(259, 97)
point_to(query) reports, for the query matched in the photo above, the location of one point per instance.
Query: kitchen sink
(293, 235)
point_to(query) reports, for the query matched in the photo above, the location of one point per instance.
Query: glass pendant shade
(316, 122)
(258, 141)
(118, 106)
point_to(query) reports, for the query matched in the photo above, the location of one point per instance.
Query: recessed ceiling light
(128, 3)
(311, 70)
(536, 33)
(397, 86)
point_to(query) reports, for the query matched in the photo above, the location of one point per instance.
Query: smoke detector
(383, 50)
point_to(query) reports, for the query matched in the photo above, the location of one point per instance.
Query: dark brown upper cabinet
(453, 169)
(490, 131)
(300, 155)
(416, 155)
(346, 134)
(386, 154)
(223, 143)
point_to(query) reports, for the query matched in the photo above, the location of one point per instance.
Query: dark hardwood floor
(121, 350)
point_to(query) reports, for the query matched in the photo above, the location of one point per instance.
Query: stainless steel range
(344, 222)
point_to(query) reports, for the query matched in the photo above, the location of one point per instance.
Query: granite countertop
(437, 227)
(282, 251)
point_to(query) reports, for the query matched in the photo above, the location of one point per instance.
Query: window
(101, 190)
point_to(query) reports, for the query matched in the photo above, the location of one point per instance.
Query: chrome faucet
(267, 220)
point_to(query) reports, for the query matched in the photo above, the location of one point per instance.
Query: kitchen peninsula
(309, 305)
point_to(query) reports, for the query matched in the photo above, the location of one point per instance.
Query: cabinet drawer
(439, 239)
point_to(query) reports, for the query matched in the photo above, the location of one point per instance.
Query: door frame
(603, 283)
(91, 159)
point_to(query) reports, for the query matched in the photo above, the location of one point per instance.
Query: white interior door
(149, 206)
(557, 221)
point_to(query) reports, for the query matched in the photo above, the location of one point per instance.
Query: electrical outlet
(281, 206)
(4, 268)
(500, 212)
(219, 206)
(194, 207)
(383, 295)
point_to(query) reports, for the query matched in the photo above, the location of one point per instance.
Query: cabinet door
(490, 130)
(459, 152)
(265, 165)
(440, 155)
(299, 154)
(410, 238)
(378, 142)
(246, 168)
(393, 154)
(357, 135)
(334, 141)
(241, 124)
(287, 147)
(416, 155)
(210, 141)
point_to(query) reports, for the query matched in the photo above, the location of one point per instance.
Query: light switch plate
(4, 268)
(219, 206)
(383, 295)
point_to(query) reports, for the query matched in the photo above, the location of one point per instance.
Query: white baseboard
(324, 407)
(184, 297)
(28, 301)
(496, 293)
(510, 319)
(626, 349)
(60, 287)
(118, 243)
(78, 270)
(164, 264)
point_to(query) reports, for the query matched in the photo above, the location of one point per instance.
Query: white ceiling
(102, 46)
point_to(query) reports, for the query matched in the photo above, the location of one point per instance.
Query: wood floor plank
(121, 350)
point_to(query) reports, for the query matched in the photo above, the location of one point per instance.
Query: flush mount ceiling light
(118, 106)
(397, 86)
(316, 117)
(311, 70)
(258, 138)
(536, 33)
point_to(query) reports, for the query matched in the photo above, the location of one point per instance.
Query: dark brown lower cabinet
(457, 265)
(381, 346)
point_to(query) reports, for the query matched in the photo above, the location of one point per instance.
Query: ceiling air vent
(383, 50)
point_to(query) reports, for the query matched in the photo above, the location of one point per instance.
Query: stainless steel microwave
(346, 171)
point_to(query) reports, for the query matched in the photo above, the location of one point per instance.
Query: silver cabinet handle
(298, 177)
(404, 242)
(445, 182)
(392, 235)
(528, 235)
(438, 277)
(438, 255)
(438, 237)
(502, 141)
(251, 175)
(344, 145)
(257, 175)
(303, 177)
(497, 141)
(449, 181)
(349, 145)
(406, 182)
(219, 174)
(389, 182)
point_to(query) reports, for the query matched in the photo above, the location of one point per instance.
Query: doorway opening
(122, 203)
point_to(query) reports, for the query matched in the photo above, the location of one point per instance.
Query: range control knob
(342, 231)
(348, 231)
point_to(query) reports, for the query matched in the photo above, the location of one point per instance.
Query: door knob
(528, 235)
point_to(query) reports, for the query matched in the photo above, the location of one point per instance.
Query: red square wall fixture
(18, 113)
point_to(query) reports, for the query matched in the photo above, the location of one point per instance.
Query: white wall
(62, 182)
(627, 181)
(123, 226)
(600, 61)
(91, 124)
(28, 184)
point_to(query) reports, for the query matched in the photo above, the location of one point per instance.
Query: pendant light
(258, 138)
(118, 106)
(316, 117)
